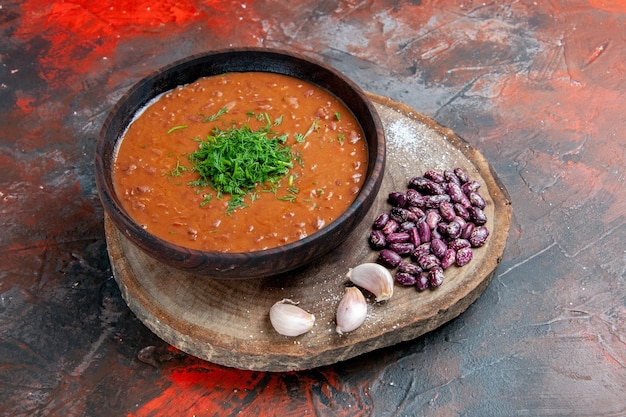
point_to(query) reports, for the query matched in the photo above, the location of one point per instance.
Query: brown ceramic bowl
(260, 263)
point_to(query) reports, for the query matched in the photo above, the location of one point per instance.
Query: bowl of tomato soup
(240, 163)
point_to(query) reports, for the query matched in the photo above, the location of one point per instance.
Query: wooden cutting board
(227, 322)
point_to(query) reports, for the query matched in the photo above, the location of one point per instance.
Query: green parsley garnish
(288, 197)
(235, 160)
(175, 128)
(215, 116)
(236, 201)
(299, 137)
(178, 170)
(206, 200)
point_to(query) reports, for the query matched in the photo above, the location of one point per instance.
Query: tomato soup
(154, 177)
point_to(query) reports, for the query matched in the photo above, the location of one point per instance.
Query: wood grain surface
(226, 321)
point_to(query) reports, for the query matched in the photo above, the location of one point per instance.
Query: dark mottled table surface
(538, 87)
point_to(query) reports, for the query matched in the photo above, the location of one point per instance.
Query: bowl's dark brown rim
(194, 260)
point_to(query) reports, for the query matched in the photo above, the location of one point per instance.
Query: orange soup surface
(152, 172)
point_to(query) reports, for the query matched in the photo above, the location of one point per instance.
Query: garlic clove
(351, 311)
(290, 320)
(373, 277)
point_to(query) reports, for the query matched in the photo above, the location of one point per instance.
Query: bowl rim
(181, 254)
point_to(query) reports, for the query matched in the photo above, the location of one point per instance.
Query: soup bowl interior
(255, 264)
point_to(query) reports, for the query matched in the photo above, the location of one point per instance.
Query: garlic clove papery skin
(290, 320)
(373, 277)
(351, 311)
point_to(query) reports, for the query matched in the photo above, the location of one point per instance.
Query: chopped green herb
(214, 117)
(273, 188)
(175, 128)
(341, 137)
(288, 197)
(236, 201)
(207, 200)
(338, 116)
(178, 170)
(299, 137)
(234, 161)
